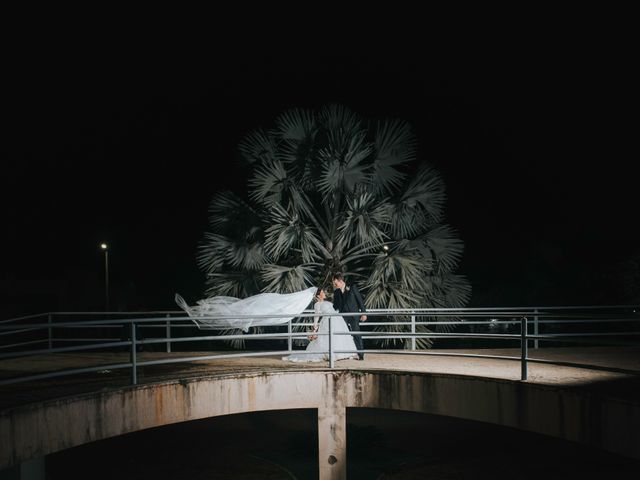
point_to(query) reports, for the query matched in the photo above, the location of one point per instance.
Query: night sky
(537, 165)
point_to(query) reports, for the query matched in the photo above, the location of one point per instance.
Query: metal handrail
(290, 334)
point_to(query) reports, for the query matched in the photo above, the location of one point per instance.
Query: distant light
(104, 246)
(385, 247)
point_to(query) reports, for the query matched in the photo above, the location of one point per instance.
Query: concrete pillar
(332, 436)
(30, 470)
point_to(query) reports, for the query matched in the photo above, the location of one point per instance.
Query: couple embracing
(346, 299)
(265, 309)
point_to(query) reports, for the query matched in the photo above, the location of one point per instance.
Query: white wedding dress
(264, 309)
(318, 349)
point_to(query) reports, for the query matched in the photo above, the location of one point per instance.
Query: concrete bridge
(596, 407)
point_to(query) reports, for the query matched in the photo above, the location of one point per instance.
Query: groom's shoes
(360, 357)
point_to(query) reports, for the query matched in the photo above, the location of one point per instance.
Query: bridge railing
(409, 327)
(538, 317)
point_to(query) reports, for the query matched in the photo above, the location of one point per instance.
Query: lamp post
(105, 248)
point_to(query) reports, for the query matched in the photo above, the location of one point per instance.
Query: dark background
(129, 149)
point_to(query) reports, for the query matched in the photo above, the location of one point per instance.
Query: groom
(347, 299)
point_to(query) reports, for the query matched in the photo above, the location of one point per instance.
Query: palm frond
(249, 256)
(287, 232)
(425, 194)
(422, 343)
(236, 343)
(457, 291)
(405, 221)
(399, 272)
(343, 168)
(231, 215)
(446, 291)
(445, 247)
(295, 124)
(417, 250)
(269, 183)
(284, 279)
(394, 145)
(300, 159)
(330, 179)
(296, 131)
(338, 118)
(211, 254)
(239, 284)
(390, 295)
(302, 204)
(257, 147)
(219, 250)
(365, 220)
(237, 236)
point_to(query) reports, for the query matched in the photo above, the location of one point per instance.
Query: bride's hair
(321, 289)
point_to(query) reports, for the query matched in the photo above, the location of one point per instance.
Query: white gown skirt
(318, 350)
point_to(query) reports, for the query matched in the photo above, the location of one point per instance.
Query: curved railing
(606, 325)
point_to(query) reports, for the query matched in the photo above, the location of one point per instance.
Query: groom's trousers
(354, 326)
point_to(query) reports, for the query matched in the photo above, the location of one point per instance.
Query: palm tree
(331, 192)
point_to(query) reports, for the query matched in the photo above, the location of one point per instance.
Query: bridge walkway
(623, 383)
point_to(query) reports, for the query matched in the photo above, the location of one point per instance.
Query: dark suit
(347, 302)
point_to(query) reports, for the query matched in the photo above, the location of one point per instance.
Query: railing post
(413, 331)
(331, 360)
(168, 332)
(50, 332)
(289, 339)
(523, 347)
(134, 360)
(535, 327)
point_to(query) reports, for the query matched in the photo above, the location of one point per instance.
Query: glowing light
(104, 246)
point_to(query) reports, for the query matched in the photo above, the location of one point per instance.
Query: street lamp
(105, 248)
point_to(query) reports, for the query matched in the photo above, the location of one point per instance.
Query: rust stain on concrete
(159, 400)
(251, 394)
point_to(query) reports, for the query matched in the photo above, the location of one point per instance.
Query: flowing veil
(219, 313)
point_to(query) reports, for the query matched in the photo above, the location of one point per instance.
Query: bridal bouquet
(313, 330)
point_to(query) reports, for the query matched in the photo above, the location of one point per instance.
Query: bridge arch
(39, 429)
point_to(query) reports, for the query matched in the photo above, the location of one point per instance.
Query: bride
(318, 348)
(266, 309)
